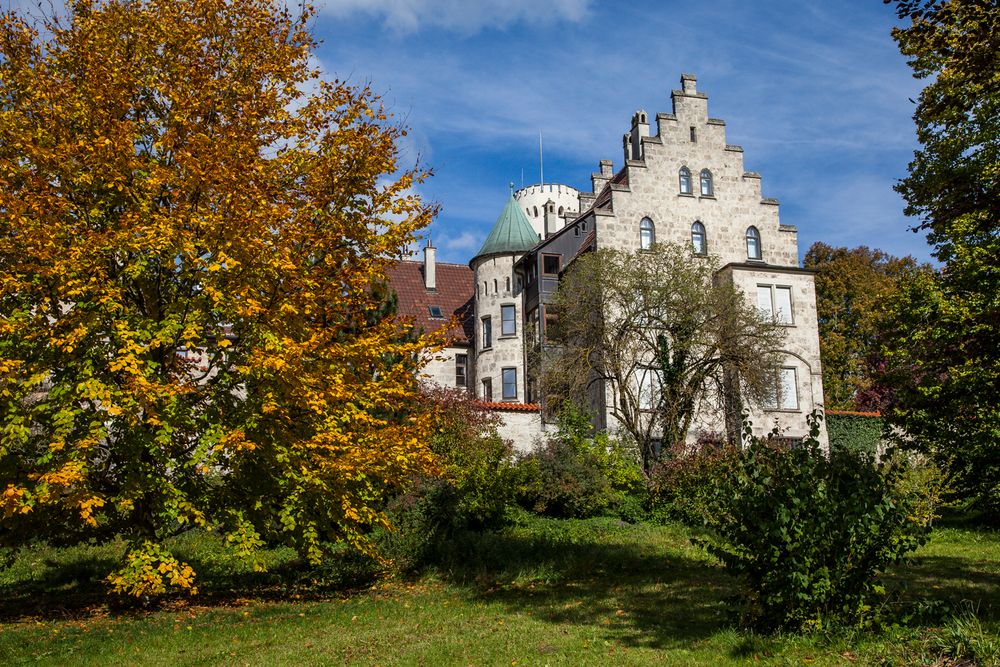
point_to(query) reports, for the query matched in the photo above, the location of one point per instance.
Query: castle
(685, 185)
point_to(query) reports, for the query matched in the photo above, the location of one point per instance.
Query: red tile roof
(455, 287)
(856, 414)
(510, 407)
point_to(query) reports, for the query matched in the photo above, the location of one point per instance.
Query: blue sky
(815, 92)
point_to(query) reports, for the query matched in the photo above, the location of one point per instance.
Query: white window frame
(773, 311)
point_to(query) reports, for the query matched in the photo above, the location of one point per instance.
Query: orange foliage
(190, 247)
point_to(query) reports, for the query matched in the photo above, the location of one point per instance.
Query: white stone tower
(499, 345)
(547, 205)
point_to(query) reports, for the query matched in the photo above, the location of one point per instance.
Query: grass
(550, 592)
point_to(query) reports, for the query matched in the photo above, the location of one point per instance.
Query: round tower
(499, 320)
(549, 198)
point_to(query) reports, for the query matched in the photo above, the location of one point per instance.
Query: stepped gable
(512, 233)
(453, 295)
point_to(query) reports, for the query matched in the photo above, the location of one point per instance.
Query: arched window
(706, 183)
(560, 211)
(647, 235)
(698, 241)
(685, 180)
(753, 243)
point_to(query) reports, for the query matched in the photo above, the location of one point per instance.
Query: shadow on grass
(634, 592)
(54, 586)
(954, 581)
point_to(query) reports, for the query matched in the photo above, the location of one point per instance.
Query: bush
(809, 534)
(859, 432)
(475, 491)
(682, 483)
(573, 475)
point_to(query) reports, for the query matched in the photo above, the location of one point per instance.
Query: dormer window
(684, 176)
(698, 240)
(753, 243)
(435, 312)
(706, 184)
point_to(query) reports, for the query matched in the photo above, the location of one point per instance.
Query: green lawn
(552, 592)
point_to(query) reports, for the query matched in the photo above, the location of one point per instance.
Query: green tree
(852, 288)
(944, 342)
(194, 329)
(665, 336)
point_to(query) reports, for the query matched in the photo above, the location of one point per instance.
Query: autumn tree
(944, 338)
(853, 286)
(665, 336)
(194, 229)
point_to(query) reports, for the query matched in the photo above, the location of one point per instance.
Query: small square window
(551, 264)
(436, 313)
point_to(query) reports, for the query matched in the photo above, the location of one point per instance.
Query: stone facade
(682, 184)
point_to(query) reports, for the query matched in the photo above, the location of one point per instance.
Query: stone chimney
(430, 269)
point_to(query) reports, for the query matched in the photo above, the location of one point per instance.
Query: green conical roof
(512, 233)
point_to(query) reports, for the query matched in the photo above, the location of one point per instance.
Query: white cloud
(463, 16)
(464, 241)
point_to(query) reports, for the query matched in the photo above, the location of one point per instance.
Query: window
(531, 396)
(496, 286)
(685, 180)
(509, 376)
(487, 389)
(487, 332)
(786, 394)
(647, 235)
(706, 184)
(649, 388)
(576, 230)
(461, 365)
(694, 134)
(560, 211)
(551, 315)
(551, 265)
(508, 283)
(698, 239)
(508, 326)
(753, 243)
(435, 312)
(535, 208)
(775, 302)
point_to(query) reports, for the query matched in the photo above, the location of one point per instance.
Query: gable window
(509, 376)
(551, 265)
(488, 389)
(698, 241)
(753, 243)
(435, 312)
(508, 325)
(684, 176)
(775, 303)
(706, 184)
(785, 393)
(461, 366)
(487, 332)
(647, 234)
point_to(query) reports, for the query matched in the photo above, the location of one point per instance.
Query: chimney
(551, 226)
(430, 270)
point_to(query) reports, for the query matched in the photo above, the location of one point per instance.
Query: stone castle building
(680, 182)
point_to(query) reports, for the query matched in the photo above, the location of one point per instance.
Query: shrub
(682, 483)
(475, 491)
(809, 534)
(860, 432)
(573, 475)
